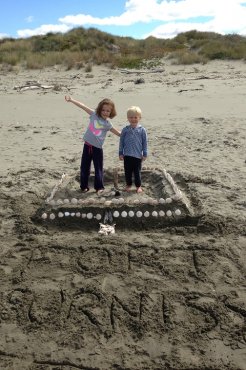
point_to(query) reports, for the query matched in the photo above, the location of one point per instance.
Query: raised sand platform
(162, 203)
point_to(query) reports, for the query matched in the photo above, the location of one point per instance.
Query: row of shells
(114, 201)
(116, 214)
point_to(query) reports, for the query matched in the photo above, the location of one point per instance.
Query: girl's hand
(68, 98)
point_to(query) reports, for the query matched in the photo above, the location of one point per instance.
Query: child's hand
(144, 158)
(68, 98)
(121, 157)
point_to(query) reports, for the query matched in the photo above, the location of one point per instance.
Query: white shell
(162, 201)
(74, 201)
(72, 214)
(52, 202)
(154, 213)
(107, 203)
(77, 214)
(169, 213)
(67, 214)
(89, 216)
(124, 214)
(136, 201)
(177, 212)
(59, 202)
(150, 201)
(121, 200)
(155, 202)
(65, 201)
(169, 200)
(90, 200)
(161, 213)
(102, 200)
(44, 216)
(83, 215)
(115, 201)
(144, 201)
(52, 216)
(60, 214)
(81, 201)
(139, 214)
(98, 216)
(131, 213)
(146, 214)
(116, 214)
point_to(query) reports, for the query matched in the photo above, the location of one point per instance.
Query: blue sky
(135, 18)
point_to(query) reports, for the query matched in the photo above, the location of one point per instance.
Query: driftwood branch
(131, 71)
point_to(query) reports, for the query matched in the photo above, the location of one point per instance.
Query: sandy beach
(151, 298)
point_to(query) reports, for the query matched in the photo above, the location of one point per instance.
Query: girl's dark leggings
(91, 153)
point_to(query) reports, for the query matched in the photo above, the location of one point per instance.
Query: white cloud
(46, 28)
(29, 19)
(3, 35)
(177, 16)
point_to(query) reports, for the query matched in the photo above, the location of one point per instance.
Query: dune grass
(81, 47)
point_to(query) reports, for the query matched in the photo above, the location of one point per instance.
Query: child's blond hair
(135, 110)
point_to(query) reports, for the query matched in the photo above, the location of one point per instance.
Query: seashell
(177, 196)
(77, 214)
(177, 212)
(59, 202)
(74, 201)
(72, 214)
(66, 201)
(67, 214)
(52, 202)
(161, 213)
(44, 216)
(131, 213)
(144, 201)
(124, 214)
(83, 215)
(102, 200)
(151, 201)
(169, 200)
(114, 201)
(98, 216)
(116, 214)
(89, 216)
(146, 214)
(60, 214)
(81, 201)
(121, 200)
(90, 200)
(155, 202)
(136, 201)
(52, 216)
(154, 214)
(107, 202)
(162, 201)
(169, 213)
(139, 214)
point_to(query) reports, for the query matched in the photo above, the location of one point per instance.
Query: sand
(171, 297)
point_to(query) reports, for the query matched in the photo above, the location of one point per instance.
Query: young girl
(133, 148)
(94, 137)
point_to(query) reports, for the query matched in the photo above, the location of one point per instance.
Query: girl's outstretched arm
(88, 110)
(115, 131)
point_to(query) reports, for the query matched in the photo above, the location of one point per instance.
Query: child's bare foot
(127, 188)
(139, 190)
